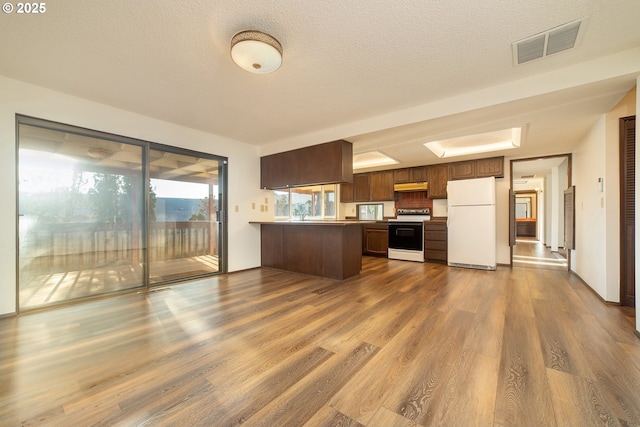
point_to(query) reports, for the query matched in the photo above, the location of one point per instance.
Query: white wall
(587, 260)
(597, 255)
(30, 100)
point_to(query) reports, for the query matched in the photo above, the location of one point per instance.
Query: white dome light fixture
(256, 52)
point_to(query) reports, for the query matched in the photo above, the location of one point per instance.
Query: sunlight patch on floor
(537, 261)
(524, 257)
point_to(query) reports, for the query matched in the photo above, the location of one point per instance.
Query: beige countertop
(334, 222)
(341, 222)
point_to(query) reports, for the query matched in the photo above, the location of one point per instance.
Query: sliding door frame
(220, 216)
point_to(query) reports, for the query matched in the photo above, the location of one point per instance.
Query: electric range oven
(406, 234)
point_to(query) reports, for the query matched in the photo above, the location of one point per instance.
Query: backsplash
(414, 199)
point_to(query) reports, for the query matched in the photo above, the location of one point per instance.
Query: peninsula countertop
(330, 222)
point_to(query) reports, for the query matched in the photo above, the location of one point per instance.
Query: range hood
(411, 186)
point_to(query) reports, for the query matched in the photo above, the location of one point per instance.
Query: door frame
(568, 156)
(219, 217)
(624, 300)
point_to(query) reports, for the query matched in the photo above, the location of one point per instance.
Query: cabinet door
(375, 240)
(381, 184)
(346, 192)
(323, 163)
(273, 172)
(462, 170)
(437, 177)
(361, 191)
(493, 166)
(418, 174)
(401, 176)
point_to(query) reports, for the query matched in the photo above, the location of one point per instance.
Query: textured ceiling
(383, 74)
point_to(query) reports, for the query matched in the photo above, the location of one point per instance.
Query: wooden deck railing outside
(82, 246)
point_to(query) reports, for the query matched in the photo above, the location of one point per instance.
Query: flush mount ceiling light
(372, 159)
(478, 143)
(256, 52)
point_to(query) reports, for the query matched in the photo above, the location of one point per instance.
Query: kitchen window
(309, 202)
(370, 212)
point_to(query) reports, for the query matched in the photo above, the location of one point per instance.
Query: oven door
(406, 235)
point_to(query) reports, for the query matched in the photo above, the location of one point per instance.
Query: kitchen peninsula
(331, 249)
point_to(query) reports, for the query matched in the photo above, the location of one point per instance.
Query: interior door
(512, 218)
(569, 218)
(627, 210)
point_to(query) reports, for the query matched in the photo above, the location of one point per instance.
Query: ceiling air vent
(527, 176)
(552, 41)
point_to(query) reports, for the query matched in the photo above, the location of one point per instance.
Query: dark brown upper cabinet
(438, 175)
(346, 192)
(361, 187)
(368, 187)
(493, 166)
(462, 170)
(381, 184)
(414, 174)
(378, 186)
(327, 163)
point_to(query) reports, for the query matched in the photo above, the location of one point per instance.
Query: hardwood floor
(43, 288)
(403, 344)
(529, 252)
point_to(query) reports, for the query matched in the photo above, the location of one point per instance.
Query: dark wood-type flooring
(403, 344)
(529, 252)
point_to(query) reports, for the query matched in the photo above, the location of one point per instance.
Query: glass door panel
(101, 213)
(184, 205)
(81, 202)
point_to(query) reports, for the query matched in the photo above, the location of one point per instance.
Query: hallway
(531, 253)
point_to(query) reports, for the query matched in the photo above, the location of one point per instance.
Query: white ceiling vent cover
(552, 41)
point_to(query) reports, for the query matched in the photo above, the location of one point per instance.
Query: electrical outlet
(253, 205)
(237, 208)
(266, 200)
(261, 208)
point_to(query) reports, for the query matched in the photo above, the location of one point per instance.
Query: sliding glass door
(100, 213)
(184, 231)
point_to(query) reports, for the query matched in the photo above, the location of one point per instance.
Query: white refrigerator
(471, 222)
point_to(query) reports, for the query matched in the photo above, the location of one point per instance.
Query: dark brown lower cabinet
(375, 239)
(317, 249)
(526, 228)
(435, 241)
